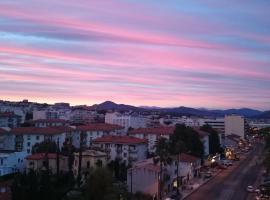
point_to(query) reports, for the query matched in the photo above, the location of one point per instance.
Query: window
(19, 160)
(37, 137)
(28, 137)
(28, 150)
(31, 163)
(88, 164)
(1, 161)
(125, 154)
(28, 144)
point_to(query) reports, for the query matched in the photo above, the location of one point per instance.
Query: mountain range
(247, 112)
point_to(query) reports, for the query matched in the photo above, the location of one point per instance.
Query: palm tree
(164, 158)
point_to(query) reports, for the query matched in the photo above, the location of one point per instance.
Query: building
(91, 132)
(9, 119)
(204, 137)
(48, 122)
(90, 159)
(152, 135)
(45, 114)
(126, 120)
(144, 177)
(235, 124)
(7, 141)
(11, 162)
(27, 137)
(40, 161)
(124, 148)
(189, 167)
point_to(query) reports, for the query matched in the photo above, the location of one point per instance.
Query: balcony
(131, 151)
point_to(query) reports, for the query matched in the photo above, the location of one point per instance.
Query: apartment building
(235, 124)
(152, 135)
(91, 132)
(124, 148)
(126, 120)
(9, 119)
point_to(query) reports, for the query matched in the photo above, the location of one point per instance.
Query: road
(231, 183)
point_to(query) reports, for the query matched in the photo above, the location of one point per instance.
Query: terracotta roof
(48, 121)
(99, 127)
(40, 131)
(3, 131)
(156, 131)
(40, 156)
(6, 114)
(188, 158)
(201, 133)
(119, 140)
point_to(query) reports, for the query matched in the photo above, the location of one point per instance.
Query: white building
(11, 162)
(7, 140)
(145, 175)
(27, 137)
(235, 124)
(49, 122)
(126, 120)
(45, 114)
(152, 135)
(9, 119)
(91, 132)
(124, 148)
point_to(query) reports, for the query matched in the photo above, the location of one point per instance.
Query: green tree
(46, 146)
(190, 139)
(164, 158)
(99, 185)
(214, 143)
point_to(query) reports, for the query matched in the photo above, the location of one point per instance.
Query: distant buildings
(126, 120)
(9, 119)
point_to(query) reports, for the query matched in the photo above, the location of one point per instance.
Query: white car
(250, 188)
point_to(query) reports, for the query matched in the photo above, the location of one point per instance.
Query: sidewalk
(196, 183)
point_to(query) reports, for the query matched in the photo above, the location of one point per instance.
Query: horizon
(97, 103)
(154, 53)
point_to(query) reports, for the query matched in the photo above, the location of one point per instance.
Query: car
(208, 175)
(250, 188)
(227, 162)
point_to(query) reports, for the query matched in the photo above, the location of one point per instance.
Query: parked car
(222, 167)
(208, 175)
(250, 188)
(227, 162)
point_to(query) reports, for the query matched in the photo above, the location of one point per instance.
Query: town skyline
(151, 54)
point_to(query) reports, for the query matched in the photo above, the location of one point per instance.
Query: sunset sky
(212, 54)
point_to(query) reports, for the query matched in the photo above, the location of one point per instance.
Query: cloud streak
(144, 53)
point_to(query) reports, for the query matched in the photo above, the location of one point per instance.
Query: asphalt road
(231, 183)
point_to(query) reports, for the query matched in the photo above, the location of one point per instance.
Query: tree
(99, 185)
(164, 158)
(46, 146)
(214, 143)
(189, 137)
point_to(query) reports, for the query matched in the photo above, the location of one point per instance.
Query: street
(231, 183)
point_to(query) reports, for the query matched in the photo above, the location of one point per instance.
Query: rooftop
(48, 121)
(119, 140)
(156, 131)
(41, 131)
(99, 127)
(40, 156)
(188, 158)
